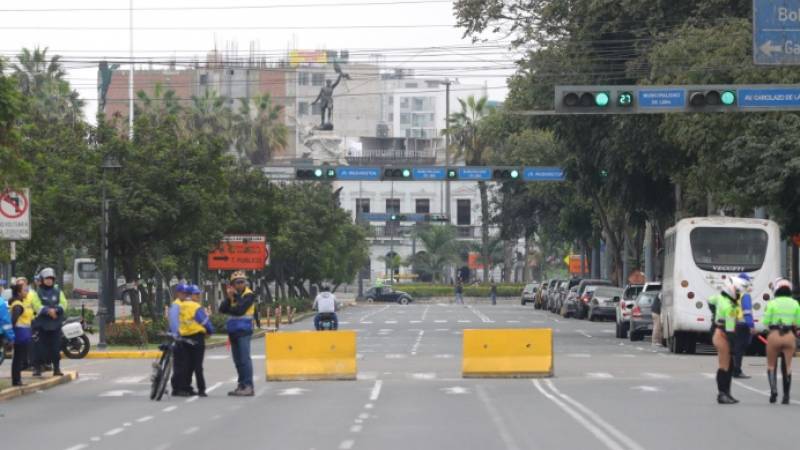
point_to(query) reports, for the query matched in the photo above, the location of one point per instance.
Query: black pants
(194, 362)
(741, 341)
(49, 350)
(179, 368)
(19, 362)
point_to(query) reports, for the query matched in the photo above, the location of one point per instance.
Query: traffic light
(586, 99)
(713, 99)
(397, 173)
(452, 173)
(625, 99)
(506, 174)
(315, 173)
(395, 217)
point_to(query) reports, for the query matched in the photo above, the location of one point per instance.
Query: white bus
(700, 253)
(85, 278)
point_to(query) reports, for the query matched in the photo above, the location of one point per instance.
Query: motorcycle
(326, 322)
(74, 342)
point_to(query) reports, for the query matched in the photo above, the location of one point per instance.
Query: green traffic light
(728, 98)
(601, 99)
(406, 173)
(451, 174)
(515, 174)
(318, 173)
(625, 99)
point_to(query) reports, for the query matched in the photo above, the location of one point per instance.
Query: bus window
(88, 270)
(728, 249)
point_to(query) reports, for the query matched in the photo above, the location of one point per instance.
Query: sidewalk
(33, 384)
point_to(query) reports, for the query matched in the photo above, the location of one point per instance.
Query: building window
(317, 79)
(204, 79)
(423, 206)
(463, 212)
(362, 206)
(419, 103)
(412, 85)
(392, 206)
(302, 108)
(391, 100)
(316, 108)
(404, 103)
(391, 117)
(302, 78)
(405, 118)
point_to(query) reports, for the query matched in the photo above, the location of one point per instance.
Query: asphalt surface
(607, 393)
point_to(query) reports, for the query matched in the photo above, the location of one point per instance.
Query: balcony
(395, 151)
(398, 231)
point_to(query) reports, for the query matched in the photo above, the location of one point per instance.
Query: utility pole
(130, 77)
(447, 83)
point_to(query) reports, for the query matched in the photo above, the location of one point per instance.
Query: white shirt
(325, 302)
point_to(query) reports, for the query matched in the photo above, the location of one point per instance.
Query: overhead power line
(208, 28)
(231, 7)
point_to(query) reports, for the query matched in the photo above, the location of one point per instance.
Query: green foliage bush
(89, 315)
(155, 328)
(218, 322)
(126, 333)
(423, 290)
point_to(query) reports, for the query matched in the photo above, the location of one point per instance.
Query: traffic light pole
(447, 148)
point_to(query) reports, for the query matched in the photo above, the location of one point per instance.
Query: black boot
(772, 377)
(728, 382)
(722, 393)
(787, 386)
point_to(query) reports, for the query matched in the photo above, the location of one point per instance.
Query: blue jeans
(318, 318)
(240, 348)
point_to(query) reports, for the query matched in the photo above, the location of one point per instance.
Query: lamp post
(106, 297)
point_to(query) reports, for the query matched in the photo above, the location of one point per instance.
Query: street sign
(543, 174)
(475, 173)
(279, 173)
(770, 98)
(429, 173)
(240, 252)
(662, 98)
(358, 173)
(776, 32)
(15, 215)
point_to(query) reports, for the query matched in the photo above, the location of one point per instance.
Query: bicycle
(162, 369)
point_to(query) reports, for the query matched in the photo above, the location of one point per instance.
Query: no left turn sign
(13, 204)
(15, 214)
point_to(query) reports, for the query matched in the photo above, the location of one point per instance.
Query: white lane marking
(646, 388)
(363, 416)
(95, 438)
(440, 321)
(385, 330)
(170, 408)
(619, 435)
(213, 387)
(346, 445)
(608, 331)
(578, 355)
(417, 342)
(131, 380)
(443, 329)
(390, 322)
(365, 316)
(584, 333)
(599, 375)
(512, 321)
(217, 357)
(144, 419)
(344, 323)
(366, 375)
(368, 406)
(192, 430)
(293, 391)
(596, 431)
(113, 432)
(625, 355)
(359, 356)
(709, 375)
(414, 321)
(365, 322)
(376, 390)
(464, 321)
(117, 393)
(455, 390)
(78, 447)
(657, 376)
(502, 430)
(257, 357)
(443, 356)
(127, 424)
(424, 376)
(425, 313)
(396, 356)
(356, 428)
(484, 318)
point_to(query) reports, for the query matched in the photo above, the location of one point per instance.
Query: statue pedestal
(323, 146)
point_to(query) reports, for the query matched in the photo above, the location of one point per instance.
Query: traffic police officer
(726, 310)
(782, 317)
(239, 304)
(51, 305)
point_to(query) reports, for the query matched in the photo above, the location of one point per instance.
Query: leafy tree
(259, 129)
(442, 249)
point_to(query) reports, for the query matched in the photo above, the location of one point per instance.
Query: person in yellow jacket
(180, 363)
(726, 312)
(21, 319)
(195, 325)
(782, 318)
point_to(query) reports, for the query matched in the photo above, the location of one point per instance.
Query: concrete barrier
(508, 353)
(311, 355)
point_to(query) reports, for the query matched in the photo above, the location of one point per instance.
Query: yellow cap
(238, 275)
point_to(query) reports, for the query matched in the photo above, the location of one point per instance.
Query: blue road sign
(662, 98)
(776, 32)
(428, 173)
(543, 174)
(475, 173)
(358, 173)
(769, 98)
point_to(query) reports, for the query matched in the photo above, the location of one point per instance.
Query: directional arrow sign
(776, 32)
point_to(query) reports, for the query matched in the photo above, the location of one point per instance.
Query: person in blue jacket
(239, 305)
(744, 327)
(6, 328)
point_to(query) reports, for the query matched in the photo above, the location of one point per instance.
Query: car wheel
(523, 302)
(618, 330)
(370, 300)
(403, 300)
(634, 336)
(625, 327)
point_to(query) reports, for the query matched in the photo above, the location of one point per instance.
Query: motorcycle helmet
(47, 272)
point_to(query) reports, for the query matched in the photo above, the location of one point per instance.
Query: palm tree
(34, 70)
(259, 130)
(210, 115)
(441, 250)
(466, 143)
(393, 262)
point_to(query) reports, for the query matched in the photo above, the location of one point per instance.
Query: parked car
(569, 305)
(604, 301)
(387, 294)
(641, 321)
(583, 303)
(538, 299)
(529, 293)
(561, 293)
(551, 295)
(628, 301)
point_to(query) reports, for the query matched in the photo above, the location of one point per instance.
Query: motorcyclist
(51, 305)
(325, 305)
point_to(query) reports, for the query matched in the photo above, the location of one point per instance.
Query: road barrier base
(508, 353)
(311, 355)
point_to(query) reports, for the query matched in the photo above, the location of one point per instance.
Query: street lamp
(105, 307)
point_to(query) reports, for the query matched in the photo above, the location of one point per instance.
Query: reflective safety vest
(188, 326)
(727, 313)
(23, 327)
(245, 322)
(782, 311)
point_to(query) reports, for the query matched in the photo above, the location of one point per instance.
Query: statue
(105, 72)
(325, 98)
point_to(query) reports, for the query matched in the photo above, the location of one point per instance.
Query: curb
(13, 392)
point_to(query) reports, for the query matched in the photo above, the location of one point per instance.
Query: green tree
(259, 129)
(442, 250)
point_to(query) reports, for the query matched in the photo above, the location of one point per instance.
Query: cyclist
(782, 317)
(325, 305)
(239, 304)
(51, 305)
(180, 387)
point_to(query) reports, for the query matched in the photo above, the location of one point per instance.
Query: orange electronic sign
(240, 252)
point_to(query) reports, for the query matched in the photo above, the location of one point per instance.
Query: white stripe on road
(599, 375)
(597, 432)
(192, 430)
(346, 445)
(144, 419)
(484, 318)
(757, 391)
(113, 432)
(365, 316)
(390, 322)
(414, 321)
(619, 435)
(425, 313)
(657, 376)
(356, 428)
(78, 447)
(464, 321)
(502, 430)
(512, 321)
(578, 355)
(440, 321)
(170, 408)
(376, 390)
(131, 380)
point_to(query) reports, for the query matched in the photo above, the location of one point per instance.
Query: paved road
(607, 393)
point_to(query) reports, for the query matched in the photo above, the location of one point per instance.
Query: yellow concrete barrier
(311, 355)
(508, 353)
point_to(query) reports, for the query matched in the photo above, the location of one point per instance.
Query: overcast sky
(84, 37)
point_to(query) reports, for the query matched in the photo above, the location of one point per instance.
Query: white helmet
(781, 283)
(47, 273)
(731, 288)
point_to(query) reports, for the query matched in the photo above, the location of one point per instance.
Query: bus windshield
(88, 270)
(728, 249)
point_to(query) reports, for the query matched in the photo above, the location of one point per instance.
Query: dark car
(604, 301)
(641, 323)
(583, 300)
(387, 294)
